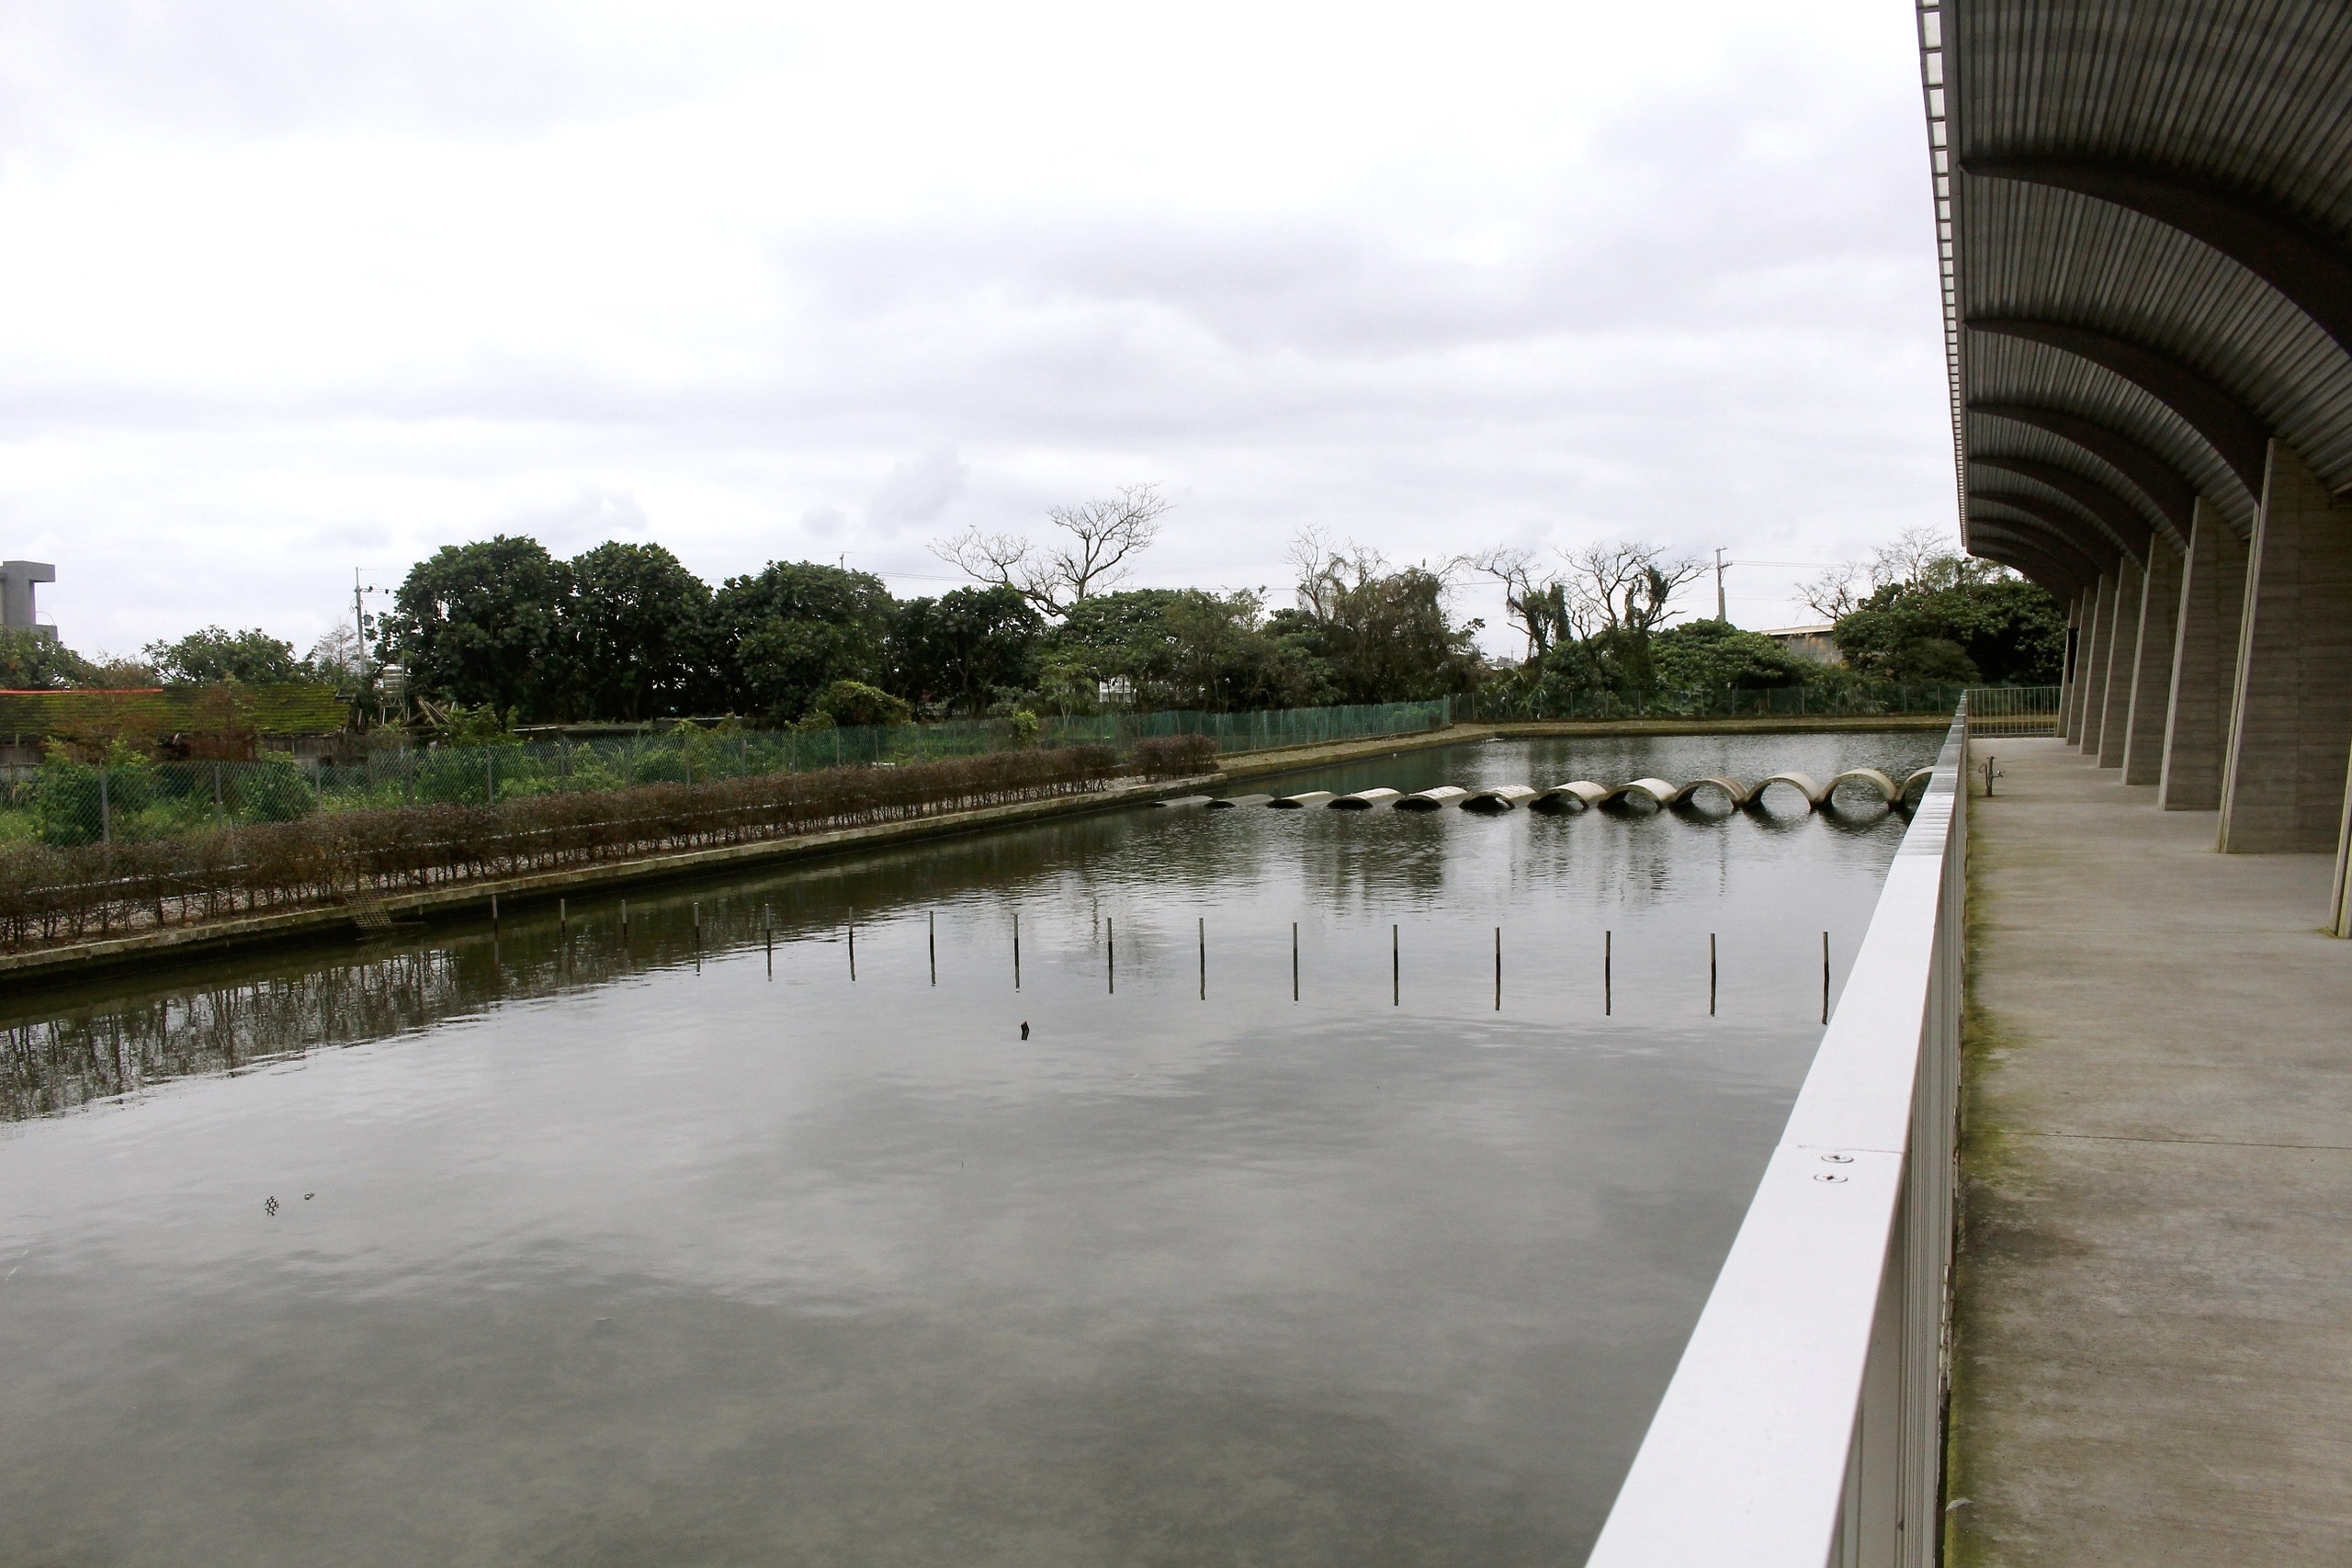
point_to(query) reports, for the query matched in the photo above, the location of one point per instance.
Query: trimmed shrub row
(54, 895)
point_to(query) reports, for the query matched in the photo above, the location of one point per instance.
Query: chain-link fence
(1499, 704)
(135, 801)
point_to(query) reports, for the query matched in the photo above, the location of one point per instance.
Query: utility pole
(1720, 564)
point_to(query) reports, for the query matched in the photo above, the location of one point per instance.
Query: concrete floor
(2154, 1309)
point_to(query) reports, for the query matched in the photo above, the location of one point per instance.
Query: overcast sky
(291, 287)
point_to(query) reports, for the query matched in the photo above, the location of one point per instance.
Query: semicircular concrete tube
(1231, 802)
(1365, 799)
(1878, 784)
(1495, 800)
(1657, 791)
(1301, 801)
(1803, 783)
(1580, 796)
(1916, 786)
(1436, 799)
(1731, 789)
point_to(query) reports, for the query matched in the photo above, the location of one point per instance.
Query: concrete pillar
(2094, 664)
(2114, 709)
(2282, 787)
(2070, 685)
(2204, 665)
(2143, 733)
(2340, 916)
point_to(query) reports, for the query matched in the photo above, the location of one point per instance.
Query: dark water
(593, 1250)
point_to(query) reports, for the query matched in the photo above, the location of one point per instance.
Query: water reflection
(644, 1246)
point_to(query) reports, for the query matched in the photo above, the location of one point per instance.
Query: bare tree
(1101, 535)
(1624, 587)
(1837, 592)
(1538, 604)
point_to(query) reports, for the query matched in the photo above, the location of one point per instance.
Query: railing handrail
(1802, 1426)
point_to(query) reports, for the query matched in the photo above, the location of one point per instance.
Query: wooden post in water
(1395, 970)
(1824, 976)
(624, 919)
(1016, 950)
(1499, 968)
(1111, 953)
(1607, 955)
(562, 915)
(1204, 958)
(493, 911)
(933, 918)
(1710, 974)
(853, 950)
(1294, 960)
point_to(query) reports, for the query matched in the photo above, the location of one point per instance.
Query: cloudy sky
(295, 287)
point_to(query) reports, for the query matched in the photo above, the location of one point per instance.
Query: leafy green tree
(213, 655)
(30, 661)
(632, 637)
(1379, 636)
(1181, 648)
(2007, 632)
(965, 645)
(854, 703)
(787, 634)
(476, 624)
(1711, 655)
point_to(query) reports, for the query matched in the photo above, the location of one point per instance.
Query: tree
(964, 647)
(1538, 605)
(2003, 632)
(632, 641)
(785, 636)
(1381, 635)
(1102, 534)
(475, 625)
(34, 661)
(1617, 596)
(1711, 655)
(213, 655)
(1181, 648)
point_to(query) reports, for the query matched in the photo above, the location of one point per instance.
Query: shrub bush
(53, 893)
(1174, 756)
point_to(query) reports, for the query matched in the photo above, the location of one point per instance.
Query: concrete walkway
(2155, 1352)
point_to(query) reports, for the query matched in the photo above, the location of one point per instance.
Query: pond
(1207, 1243)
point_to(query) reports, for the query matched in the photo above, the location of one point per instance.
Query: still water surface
(600, 1249)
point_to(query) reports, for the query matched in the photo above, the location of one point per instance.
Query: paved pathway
(2156, 1296)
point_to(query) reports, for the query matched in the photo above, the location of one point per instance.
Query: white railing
(1804, 1425)
(2014, 710)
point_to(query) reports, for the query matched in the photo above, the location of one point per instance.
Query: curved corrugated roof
(2145, 209)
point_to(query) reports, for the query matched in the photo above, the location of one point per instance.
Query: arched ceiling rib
(2116, 516)
(2106, 451)
(2155, 200)
(2048, 514)
(2007, 369)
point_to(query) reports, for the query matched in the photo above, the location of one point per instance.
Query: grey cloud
(916, 492)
